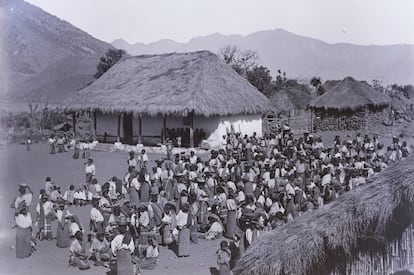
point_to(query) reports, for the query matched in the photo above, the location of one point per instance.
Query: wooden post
(191, 116)
(119, 129)
(94, 124)
(74, 124)
(164, 129)
(139, 129)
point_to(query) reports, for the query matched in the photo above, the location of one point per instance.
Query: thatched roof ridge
(368, 216)
(349, 94)
(290, 99)
(173, 83)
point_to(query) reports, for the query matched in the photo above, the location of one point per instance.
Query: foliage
(259, 76)
(110, 58)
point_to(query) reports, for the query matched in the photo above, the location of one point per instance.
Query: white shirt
(90, 169)
(117, 244)
(96, 215)
(26, 197)
(24, 221)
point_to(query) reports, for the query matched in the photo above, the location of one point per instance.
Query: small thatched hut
(142, 97)
(290, 105)
(365, 231)
(349, 105)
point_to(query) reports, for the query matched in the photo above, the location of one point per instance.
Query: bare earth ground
(18, 165)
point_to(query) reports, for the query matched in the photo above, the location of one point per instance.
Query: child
(223, 258)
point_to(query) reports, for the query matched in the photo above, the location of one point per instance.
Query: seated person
(100, 249)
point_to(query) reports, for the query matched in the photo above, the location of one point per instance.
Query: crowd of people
(250, 185)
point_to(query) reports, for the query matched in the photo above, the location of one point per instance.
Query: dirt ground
(18, 165)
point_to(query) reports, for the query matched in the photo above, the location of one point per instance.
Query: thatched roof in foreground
(349, 94)
(173, 83)
(290, 99)
(366, 217)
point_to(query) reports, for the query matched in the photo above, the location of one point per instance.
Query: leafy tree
(110, 58)
(259, 76)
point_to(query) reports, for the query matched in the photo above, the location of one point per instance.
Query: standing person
(223, 258)
(63, 227)
(123, 249)
(184, 221)
(25, 194)
(132, 163)
(169, 148)
(45, 214)
(28, 143)
(90, 170)
(52, 142)
(76, 150)
(77, 256)
(24, 231)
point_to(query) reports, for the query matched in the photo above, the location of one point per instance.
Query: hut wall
(334, 121)
(107, 123)
(374, 118)
(300, 121)
(398, 254)
(217, 126)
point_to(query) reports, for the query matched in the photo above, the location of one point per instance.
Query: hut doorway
(127, 126)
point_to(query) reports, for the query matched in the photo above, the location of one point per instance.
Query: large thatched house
(290, 105)
(142, 98)
(349, 105)
(365, 231)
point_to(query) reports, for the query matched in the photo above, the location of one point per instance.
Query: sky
(351, 21)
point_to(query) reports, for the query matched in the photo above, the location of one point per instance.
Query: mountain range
(44, 58)
(301, 57)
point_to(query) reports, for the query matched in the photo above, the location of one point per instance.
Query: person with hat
(63, 226)
(223, 258)
(23, 219)
(123, 249)
(77, 256)
(49, 185)
(100, 249)
(45, 214)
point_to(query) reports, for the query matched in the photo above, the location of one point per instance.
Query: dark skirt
(167, 237)
(231, 224)
(184, 242)
(23, 242)
(224, 269)
(124, 265)
(133, 196)
(63, 236)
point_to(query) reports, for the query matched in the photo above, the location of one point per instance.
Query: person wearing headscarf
(24, 243)
(45, 214)
(63, 226)
(123, 248)
(184, 221)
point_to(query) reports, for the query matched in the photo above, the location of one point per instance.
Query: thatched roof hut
(170, 84)
(349, 94)
(289, 99)
(364, 219)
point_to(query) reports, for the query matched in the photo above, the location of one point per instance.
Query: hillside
(32, 40)
(302, 57)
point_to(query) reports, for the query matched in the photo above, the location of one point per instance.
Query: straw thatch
(174, 83)
(363, 219)
(290, 99)
(349, 94)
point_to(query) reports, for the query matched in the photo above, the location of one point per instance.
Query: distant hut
(290, 105)
(149, 98)
(349, 105)
(365, 231)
